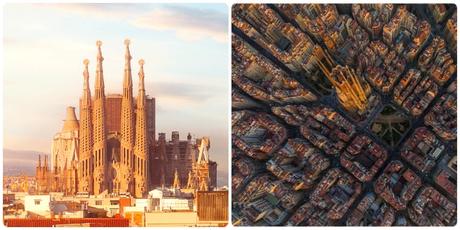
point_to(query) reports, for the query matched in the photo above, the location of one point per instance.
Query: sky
(185, 48)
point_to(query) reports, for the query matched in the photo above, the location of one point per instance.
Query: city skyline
(183, 104)
(294, 114)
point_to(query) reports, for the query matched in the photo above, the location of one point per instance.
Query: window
(37, 202)
(114, 202)
(98, 202)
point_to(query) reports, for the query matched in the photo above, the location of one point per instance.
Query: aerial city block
(344, 115)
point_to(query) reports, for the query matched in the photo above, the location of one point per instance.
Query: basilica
(111, 148)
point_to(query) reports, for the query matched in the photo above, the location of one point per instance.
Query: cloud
(182, 91)
(188, 23)
(96, 10)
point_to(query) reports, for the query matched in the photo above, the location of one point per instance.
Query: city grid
(344, 115)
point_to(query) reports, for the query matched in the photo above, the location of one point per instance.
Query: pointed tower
(127, 126)
(85, 157)
(46, 175)
(190, 180)
(176, 182)
(46, 163)
(38, 175)
(141, 143)
(100, 143)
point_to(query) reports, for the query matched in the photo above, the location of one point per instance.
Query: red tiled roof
(94, 222)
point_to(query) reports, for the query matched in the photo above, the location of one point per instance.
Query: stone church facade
(112, 147)
(108, 149)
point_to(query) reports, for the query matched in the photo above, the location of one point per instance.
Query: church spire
(176, 182)
(127, 81)
(190, 180)
(141, 142)
(127, 121)
(100, 144)
(86, 98)
(99, 86)
(46, 162)
(141, 96)
(85, 158)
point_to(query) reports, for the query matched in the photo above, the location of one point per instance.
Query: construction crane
(199, 176)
